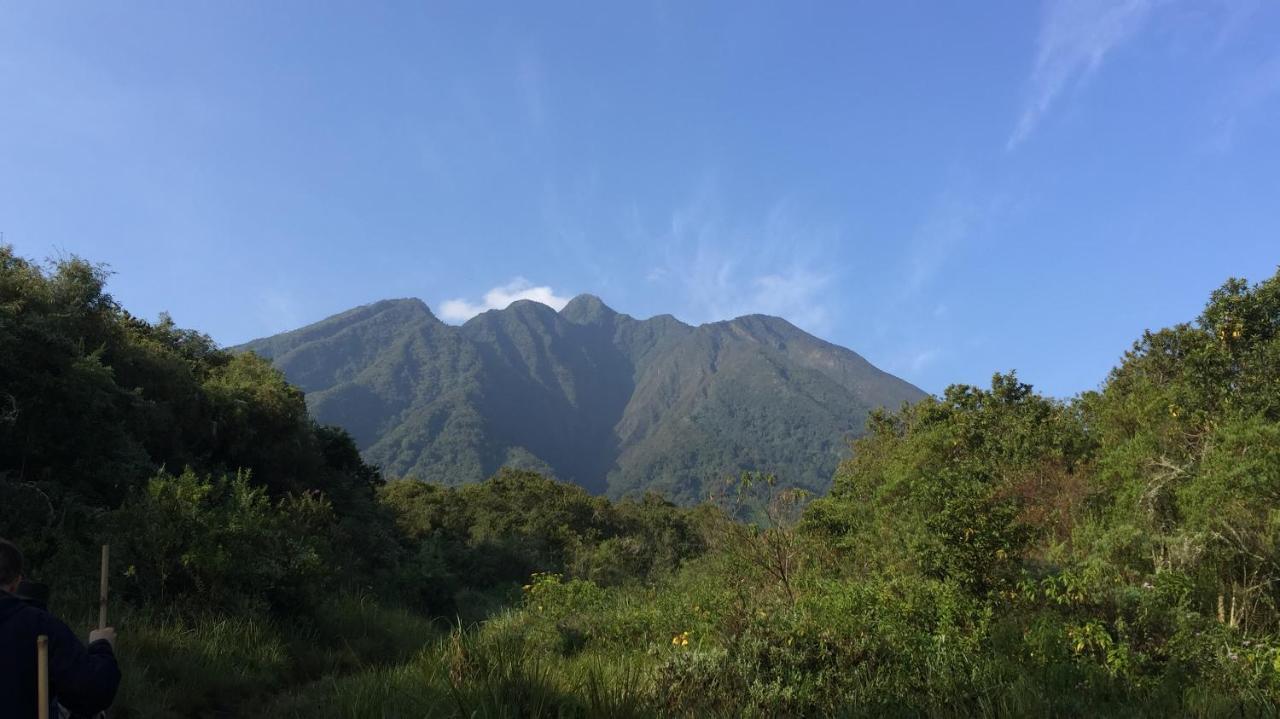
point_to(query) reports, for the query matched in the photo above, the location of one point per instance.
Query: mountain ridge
(616, 404)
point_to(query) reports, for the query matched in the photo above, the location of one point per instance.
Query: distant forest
(986, 552)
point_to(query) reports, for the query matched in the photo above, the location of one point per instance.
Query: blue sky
(949, 189)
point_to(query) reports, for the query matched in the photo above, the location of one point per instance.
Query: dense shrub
(497, 532)
(223, 543)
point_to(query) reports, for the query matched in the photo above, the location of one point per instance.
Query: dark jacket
(82, 680)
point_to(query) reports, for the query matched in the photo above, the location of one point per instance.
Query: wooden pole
(102, 587)
(102, 594)
(42, 676)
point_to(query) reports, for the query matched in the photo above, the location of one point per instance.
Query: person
(82, 679)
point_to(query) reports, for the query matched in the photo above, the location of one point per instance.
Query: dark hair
(10, 562)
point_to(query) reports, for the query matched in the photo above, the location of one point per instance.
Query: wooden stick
(102, 590)
(42, 676)
(102, 594)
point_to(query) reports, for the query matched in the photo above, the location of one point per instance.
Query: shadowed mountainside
(595, 397)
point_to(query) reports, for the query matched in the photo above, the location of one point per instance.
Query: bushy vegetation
(987, 552)
(252, 548)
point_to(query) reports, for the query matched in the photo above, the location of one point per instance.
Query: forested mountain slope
(615, 404)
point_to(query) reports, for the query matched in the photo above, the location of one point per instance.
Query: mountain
(615, 404)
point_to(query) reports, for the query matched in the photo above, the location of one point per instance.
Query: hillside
(612, 403)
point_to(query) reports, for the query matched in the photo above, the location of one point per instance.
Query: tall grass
(182, 666)
(499, 669)
(354, 631)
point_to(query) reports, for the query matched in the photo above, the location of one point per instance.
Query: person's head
(10, 566)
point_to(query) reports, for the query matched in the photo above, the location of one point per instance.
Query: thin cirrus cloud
(1075, 38)
(721, 267)
(924, 358)
(461, 310)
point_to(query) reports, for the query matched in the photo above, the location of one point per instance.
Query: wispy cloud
(794, 294)
(725, 269)
(461, 310)
(1075, 38)
(924, 358)
(912, 362)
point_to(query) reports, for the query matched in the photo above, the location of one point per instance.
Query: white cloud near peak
(461, 310)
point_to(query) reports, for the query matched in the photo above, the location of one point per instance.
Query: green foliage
(222, 543)
(1188, 463)
(958, 487)
(96, 402)
(500, 531)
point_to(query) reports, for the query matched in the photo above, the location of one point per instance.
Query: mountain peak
(757, 322)
(412, 305)
(521, 310)
(586, 309)
(398, 311)
(529, 305)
